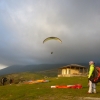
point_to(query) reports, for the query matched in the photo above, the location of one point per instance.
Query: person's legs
(93, 87)
(90, 87)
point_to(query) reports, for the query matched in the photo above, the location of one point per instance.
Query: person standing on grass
(3, 80)
(92, 86)
(11, 81)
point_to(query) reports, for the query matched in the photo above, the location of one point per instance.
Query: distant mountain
(32, 68)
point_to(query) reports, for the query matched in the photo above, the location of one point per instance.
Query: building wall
(63, 71)
(68, 71)
(74, 71)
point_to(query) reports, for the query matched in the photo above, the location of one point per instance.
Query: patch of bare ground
(53, 97)
(88, 98)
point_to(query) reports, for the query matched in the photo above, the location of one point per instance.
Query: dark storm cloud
(25, 24)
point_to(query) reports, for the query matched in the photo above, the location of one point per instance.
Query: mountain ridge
(32, 68)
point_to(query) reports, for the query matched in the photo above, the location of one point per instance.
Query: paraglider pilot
(92, 86)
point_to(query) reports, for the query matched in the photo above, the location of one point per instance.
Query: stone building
(72, 70)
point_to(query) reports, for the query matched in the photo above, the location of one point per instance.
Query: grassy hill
(43, 91)
(24, 76)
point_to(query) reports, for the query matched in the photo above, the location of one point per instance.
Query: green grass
(42, 91)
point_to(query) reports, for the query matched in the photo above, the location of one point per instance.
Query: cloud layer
(25, 24)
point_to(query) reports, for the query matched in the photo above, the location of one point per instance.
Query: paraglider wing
(52, 38)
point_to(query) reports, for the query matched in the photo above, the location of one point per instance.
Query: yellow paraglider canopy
(52, 38)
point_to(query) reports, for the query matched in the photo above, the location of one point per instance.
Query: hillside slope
(29, 68)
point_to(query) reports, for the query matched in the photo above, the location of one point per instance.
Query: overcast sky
(24, 24)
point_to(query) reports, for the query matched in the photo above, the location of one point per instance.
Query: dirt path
(88, 98)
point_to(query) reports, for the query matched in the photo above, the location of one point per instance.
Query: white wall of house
(63, 71)
(74, 71)
(68, 71)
